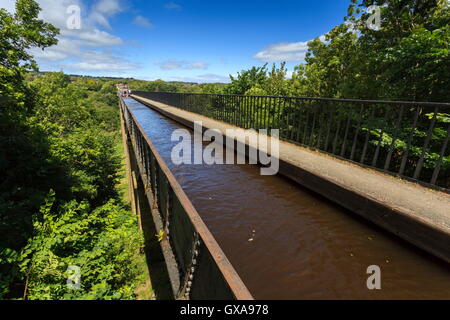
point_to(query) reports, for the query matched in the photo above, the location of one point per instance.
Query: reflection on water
(288, 243)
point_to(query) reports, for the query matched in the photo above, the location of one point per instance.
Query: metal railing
(203, 270)
(407, 139)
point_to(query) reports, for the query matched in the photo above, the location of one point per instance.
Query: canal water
(288, 243)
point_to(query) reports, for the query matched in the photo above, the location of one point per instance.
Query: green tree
(25, 149)
(58, 200)
(407, 59)
(247, 79)
(18, 33)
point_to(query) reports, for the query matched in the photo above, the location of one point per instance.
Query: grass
(143, 285)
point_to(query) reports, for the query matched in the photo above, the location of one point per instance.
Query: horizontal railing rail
(203, 269)
(404, 138)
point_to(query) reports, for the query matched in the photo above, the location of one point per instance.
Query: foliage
(18, 33)
(101, 242)
(58, 200)
(247, 79)
(80, 223)
(407, 59)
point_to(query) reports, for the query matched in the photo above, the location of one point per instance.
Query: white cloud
(89, 48)
(108, 7)
(142, 22)
(284, 51)
(174, 64)
(172, 5)
(50, 55)
(94, 38)
(203, 78)
(103, 10)
(87, 66)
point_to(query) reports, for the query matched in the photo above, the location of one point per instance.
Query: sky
(181, 40)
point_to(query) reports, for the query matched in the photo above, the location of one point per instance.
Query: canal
(289, 243)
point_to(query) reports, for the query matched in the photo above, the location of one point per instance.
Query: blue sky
(191, 40)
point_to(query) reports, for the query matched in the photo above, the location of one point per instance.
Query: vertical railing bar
(236, 108)
(271, 115)
(257, 112)
(425, 146)
(366, 142)
(271, 118)
(254, 114)
(330, 122)
(394, 139)
(215, 108)
(305, 131)
(311, 137)
(297, 120)
(266, 112)
(355, 138)
(441, 157)
(248, 112)
(337, 132)
(231, 106)
(281, 113)
(408, 146)
(380, 139)
(297, 117)
(321, 126)
(260, 112)
(222, 109)
(226, 102)
(349, 119)
(288, 120)
(241, 112)
(244, 112)
(263, 112)
(144, 159)
(218, 106)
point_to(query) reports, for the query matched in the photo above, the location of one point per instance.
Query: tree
(25, 179)
(247, 79)
(18, 33)
(407, 59)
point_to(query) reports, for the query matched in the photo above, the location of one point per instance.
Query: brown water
(303, 247)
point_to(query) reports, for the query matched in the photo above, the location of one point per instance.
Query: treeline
(60, 208)
(408, 58)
